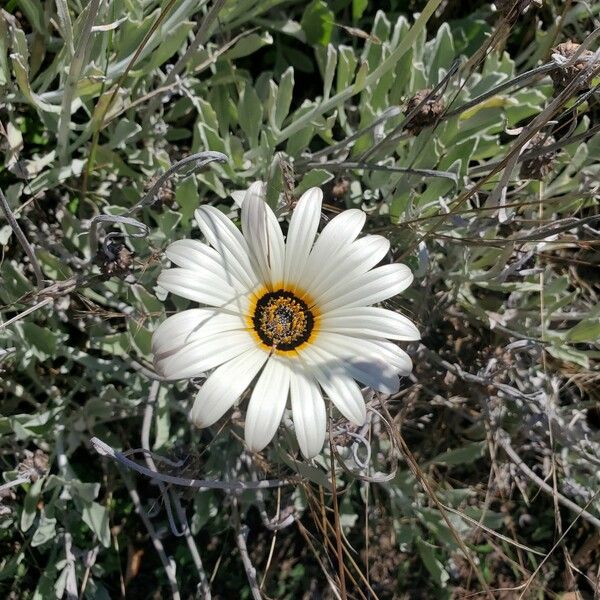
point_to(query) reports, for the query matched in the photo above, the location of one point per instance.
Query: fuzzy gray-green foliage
(100, 98)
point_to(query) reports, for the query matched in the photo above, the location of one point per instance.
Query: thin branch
(168, 564)
(14, 483)
(519, 79)
(534, 153)
(338, 166)
(420, 476)
(26, 312)
(101, 109)
(491, 532)
(324, 526)
(338, 528)
(504, 442)
(201, 484)
(39, 277)
(89, 562)
(310, 159)
(240, 538)
(394, 136)
(332, 584)
(201, 160)
(185, 529)
(472, 378)
(559, 542)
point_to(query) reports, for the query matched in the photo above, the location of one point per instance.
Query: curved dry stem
(39, 277)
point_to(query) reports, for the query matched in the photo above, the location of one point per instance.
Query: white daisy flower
(295, 315)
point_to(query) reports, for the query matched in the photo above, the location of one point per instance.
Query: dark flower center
(282, 320)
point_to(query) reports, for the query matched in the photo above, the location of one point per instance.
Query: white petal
(239, 196)
(369, 288)
(369, 321)
(369, 370)
(204, 354)
(301, 234)
(194, 255)
(339, 233)
(374, 373)
(347, 347)
(339, 386)
(225, 386)
(267, 403)
(355, 260)
(228, 241)
(263, 235)
(308, 412)
(189, 326)
(204, 287)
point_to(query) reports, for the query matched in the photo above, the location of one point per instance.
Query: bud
(565, 73)
(430, 111)
(539, 167)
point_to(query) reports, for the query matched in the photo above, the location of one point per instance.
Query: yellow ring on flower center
(282, 320)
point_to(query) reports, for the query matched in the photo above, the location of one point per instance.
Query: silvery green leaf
(95, 516)
(29, 510)
(432, 563)
(247, 45)
(250, 114)
(317, 22)
(45, 531)
(284, 97)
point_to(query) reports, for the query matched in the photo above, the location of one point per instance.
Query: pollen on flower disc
(282, 320)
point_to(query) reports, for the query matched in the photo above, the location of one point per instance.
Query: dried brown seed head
(429, 109)
(341, 187)
(539, 167)
(34, 465)
(564, 75)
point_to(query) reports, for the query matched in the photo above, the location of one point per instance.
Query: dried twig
(558, 543)
(339, 166)
(14, 483)
(365, 464)
(39, 277)
(504, 441)
(200, 161)
(104, 449)
(393, 137)
(31, 309)
(168, 564)
(275, 524)
(338, 529)
(203, 585)
(420, 476)
(346, 143)
(240, 538)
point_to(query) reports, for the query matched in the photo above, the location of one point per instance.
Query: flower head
(293, 315)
